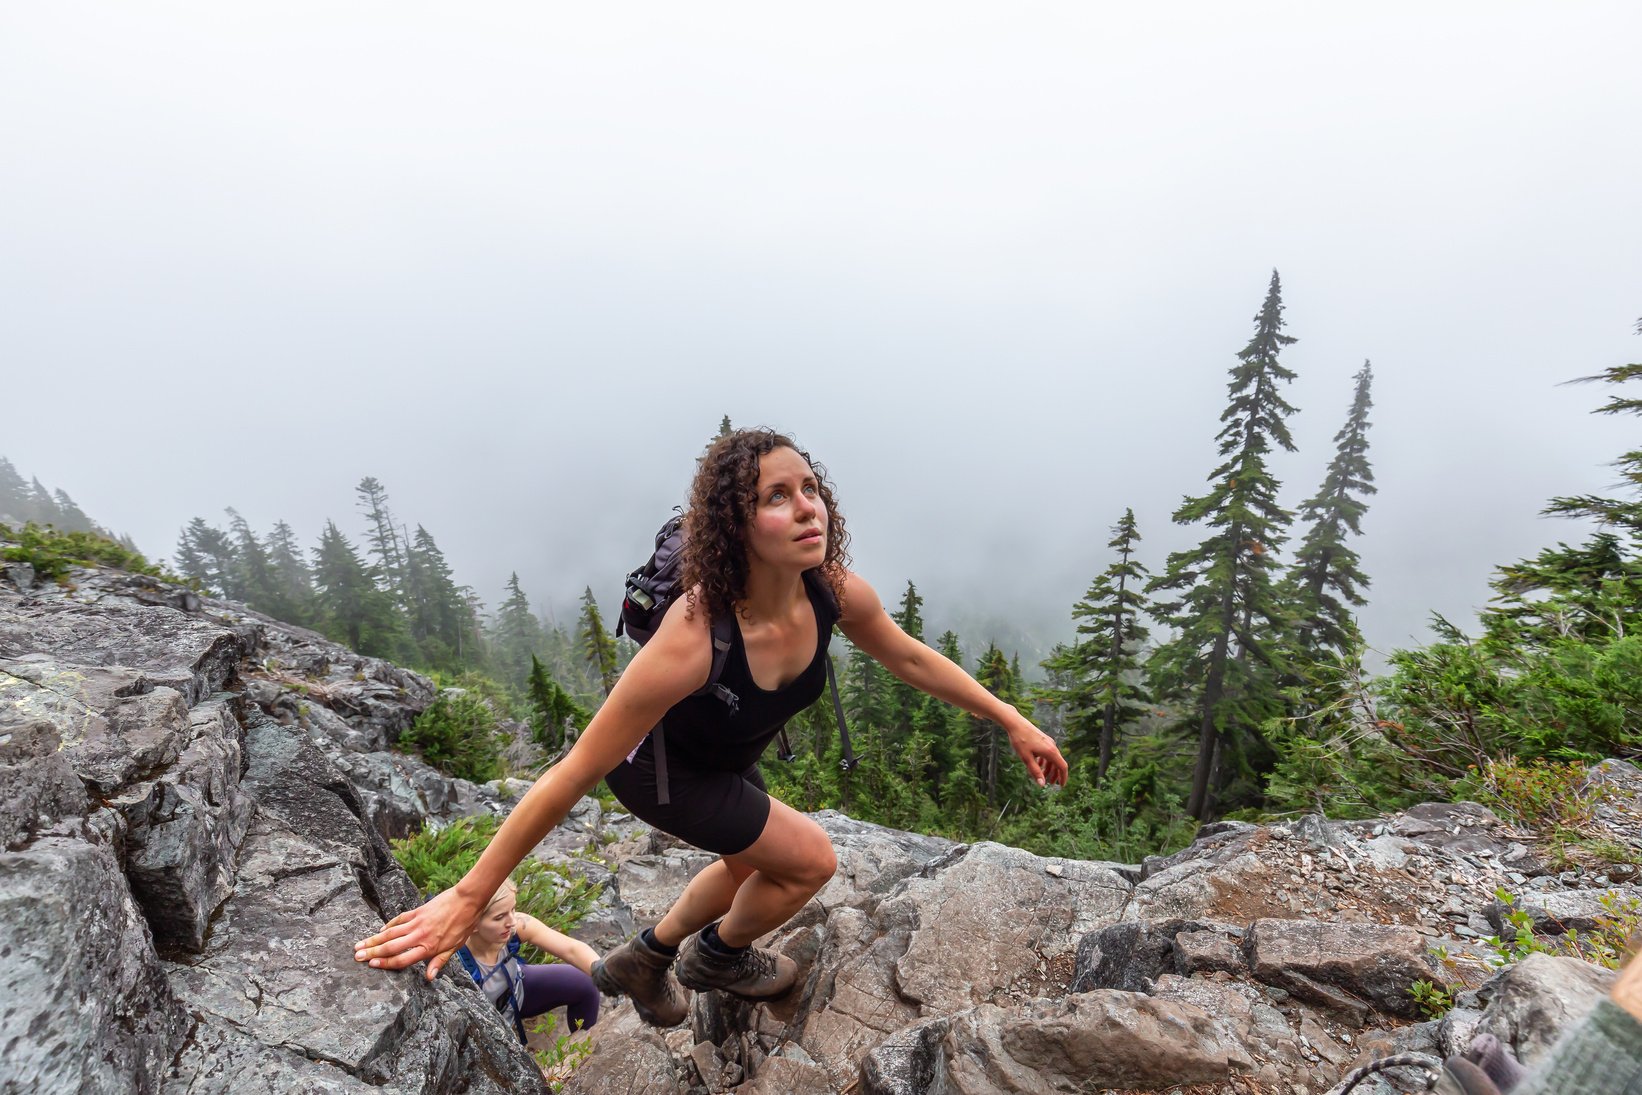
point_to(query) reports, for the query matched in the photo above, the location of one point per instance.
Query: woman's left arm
(865, 623)
(556, 943)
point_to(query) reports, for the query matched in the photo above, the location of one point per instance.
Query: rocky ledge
(194, 802)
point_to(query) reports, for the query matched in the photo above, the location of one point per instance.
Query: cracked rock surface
(186, 865)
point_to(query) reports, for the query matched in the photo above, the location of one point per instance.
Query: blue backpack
(653, 587)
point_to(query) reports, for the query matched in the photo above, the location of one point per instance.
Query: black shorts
(719, 811)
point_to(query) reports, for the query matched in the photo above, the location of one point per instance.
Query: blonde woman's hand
(432, 931)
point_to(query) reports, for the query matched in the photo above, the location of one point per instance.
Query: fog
(989, 263)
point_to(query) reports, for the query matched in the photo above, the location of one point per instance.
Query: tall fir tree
(440, 623)
(383, 537)
(70, 517)
(253, 569)
(724, 427)
(14, 494)
(598, 646)
(1105, 690)
(999, 677)
(352, 604)
(293, 583)
(518, 634)
(1624, 512)
(1326, 579)
(206, 554)
(1221, 596)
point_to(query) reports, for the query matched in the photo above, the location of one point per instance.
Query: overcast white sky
(989, 262)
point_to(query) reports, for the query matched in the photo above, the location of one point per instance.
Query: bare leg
(704, 900)
(789, 862)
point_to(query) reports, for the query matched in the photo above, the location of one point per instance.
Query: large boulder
(1350, 967)
(84, 1001)
(1529, 1004)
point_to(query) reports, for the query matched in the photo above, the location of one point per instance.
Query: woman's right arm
(673, 664)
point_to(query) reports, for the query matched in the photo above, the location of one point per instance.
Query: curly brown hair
(723, 496)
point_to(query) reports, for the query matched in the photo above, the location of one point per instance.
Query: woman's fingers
(394, 929)
(438, 963)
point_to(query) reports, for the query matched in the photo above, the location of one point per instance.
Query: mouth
(812, 536)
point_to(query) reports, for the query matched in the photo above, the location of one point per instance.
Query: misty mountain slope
(213, 786)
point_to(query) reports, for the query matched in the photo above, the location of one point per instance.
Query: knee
(816, 868)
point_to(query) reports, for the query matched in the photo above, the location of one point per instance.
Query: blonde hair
(506, 889)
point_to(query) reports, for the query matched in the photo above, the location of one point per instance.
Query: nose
(807, 506)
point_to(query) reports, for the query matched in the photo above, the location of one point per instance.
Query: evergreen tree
(554, 714)
(1219, 670)
(384, 539)
(724, 427)
(598, 647)
(997, 676)
(518, 634)
(41, 507)
(440, 622)
(1105, 690)
(253, 569)
(1623, 513)
(293, 598)
(70, 517)
(904, 700)
(14, 494)
(1325, 581)
(352, 605)
(206, 554)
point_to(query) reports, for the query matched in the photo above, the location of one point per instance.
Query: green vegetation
(1603, 946)
(458, 735)
(51, 552)
(1433, 1000)
(436, 859)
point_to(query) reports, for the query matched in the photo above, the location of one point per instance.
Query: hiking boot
(1461, 1077)
(644, 976)
(753, 974)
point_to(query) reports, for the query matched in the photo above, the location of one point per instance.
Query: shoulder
(860, 600)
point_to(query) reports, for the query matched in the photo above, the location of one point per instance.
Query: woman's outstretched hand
(431, 931)
(1039, 753)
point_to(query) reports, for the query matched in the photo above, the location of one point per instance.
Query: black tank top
(701, 730)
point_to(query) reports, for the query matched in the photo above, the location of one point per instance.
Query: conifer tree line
(1226, 679)
(1231, 681)
(27, 501)
(393, 595)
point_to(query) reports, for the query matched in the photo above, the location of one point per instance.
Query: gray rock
(84, 1003)
(1088, 1041)
(1348, 967)
(1529, 1004)
(1557, 912)
(35, 779)
(185, 827)
(628, 1057)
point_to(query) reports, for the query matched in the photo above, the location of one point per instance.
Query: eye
(811, 489)
(777, 495)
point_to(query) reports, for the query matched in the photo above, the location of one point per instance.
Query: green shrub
(1538, 794)
(51, 553)
(458, 735)
(436, 859)
(1433, 1000)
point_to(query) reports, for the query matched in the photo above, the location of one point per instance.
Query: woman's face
(495, 928)
(789, 524)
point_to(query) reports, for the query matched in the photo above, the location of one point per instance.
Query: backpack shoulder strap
(823, 593)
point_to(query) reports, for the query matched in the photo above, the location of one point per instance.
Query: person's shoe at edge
(645, 976)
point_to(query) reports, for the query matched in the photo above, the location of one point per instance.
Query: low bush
(458, 735)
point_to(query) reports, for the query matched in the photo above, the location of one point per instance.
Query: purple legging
(547, 987)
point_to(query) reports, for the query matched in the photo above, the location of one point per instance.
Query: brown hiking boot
(753, 974)
(644, 976)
